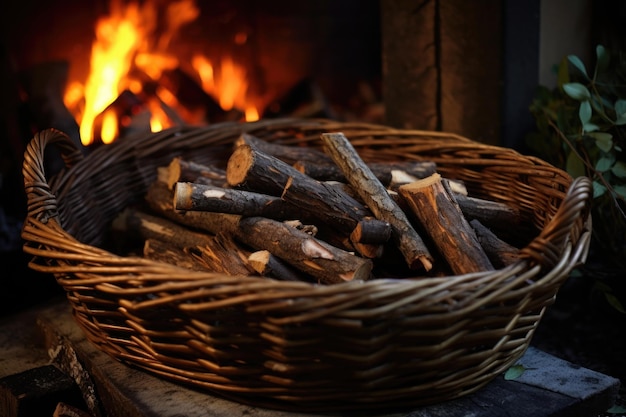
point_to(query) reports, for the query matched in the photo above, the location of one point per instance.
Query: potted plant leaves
(581, 128)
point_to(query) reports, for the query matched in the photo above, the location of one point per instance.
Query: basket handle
(571, 220)
(42, 203)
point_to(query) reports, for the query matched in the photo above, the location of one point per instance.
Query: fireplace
(304, 59)
(294, 58)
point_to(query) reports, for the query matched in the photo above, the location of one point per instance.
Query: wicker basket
(379, 344)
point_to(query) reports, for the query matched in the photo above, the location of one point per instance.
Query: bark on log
(375, 195)
(180, 170)
(290, 154)
(384, 171)
(266, 264)
(326, 263)
(331, 172)
(165, 252)
(370, 230)
(490, 213)
(439, 214)
(500, 252)
(226, 256)
(160, 199)
(264, 173)
(367, 237)
(218, 253)
(205, 197)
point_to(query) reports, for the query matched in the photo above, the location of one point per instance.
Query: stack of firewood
(324, 216)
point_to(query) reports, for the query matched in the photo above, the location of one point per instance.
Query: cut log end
(239, 165)
(182, 195)
(423, 183)
(422, 262)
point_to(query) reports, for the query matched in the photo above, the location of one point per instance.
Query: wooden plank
(410, 64)
(37, 392)
(471, 69)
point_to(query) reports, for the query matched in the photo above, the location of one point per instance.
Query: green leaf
(514, 372)
(598, 189)
(614, 302)
(621, 120)
(620, 190)
(563, 72)
(574, 166)
(590, 127)
(616, 409)
(619, 169)
(578, 64)
(620, 106)
(584, 112)
(602, 59)
(604, 164)
(603, 140)
(620, 111)
(577, 91)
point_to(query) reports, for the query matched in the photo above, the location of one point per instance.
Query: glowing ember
(126, 43)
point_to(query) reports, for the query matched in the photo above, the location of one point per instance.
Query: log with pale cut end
(253, 170)
(160, 199)
(440, 216)
(266, 264)
(326, 263)
(376, 197)
(181, 170)
(259, 172)
(290, 154)
(205, 197)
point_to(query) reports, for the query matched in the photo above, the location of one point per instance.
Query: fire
(127, 51)
(229, 87)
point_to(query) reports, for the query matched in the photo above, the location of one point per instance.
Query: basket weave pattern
(383, 343)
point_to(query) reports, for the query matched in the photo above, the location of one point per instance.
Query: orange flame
(126, 40)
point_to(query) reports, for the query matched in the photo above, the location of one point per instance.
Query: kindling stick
(376, 197)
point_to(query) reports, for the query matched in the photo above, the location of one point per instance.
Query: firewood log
(375, 195)
(439, 214)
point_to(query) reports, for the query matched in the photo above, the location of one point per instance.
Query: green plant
(581, 128)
